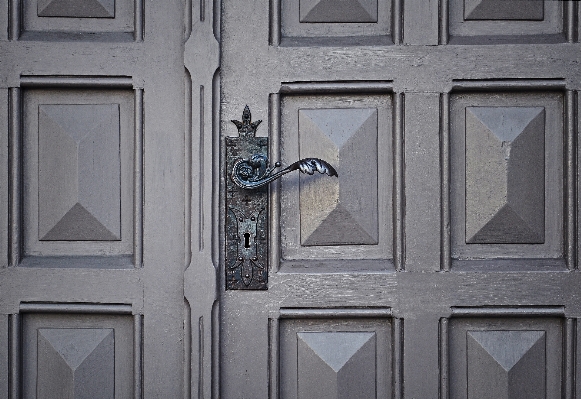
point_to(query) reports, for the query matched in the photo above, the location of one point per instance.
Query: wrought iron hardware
(248, 174)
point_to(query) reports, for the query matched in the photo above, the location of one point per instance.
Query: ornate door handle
(254, 172)
(248, 172)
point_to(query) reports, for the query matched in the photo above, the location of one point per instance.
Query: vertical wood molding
(570, 13)
(15, 20)
(138, 182)
(398, 358)
(139, 20)
(201, 170)
(446, 259)
(444, 22)
(397, 21)
(398, 192)
(570, 357)
(15, 361)
(444, 366)
(273, 358)
(138, 355)
(570, 186)
(15, 179)
(274, 200)
(188, 165)
(187, 350)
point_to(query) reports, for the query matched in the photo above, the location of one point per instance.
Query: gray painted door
(443, 260)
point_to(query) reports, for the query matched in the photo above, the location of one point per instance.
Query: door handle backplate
(248, 174)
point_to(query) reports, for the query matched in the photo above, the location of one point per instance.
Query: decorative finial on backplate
(246, 127)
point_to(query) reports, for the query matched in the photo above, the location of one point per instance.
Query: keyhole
(246, 240)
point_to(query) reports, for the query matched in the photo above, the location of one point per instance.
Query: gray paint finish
(278, 65)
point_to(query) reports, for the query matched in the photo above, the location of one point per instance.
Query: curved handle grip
(254, 172)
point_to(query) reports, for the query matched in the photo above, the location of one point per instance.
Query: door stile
(201, 62)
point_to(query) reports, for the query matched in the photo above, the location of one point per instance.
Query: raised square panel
(79, 19)
(346, 217)
(505, 21)
(507, 176)
(76, 363)
(505, 358)
(74, 356)
(346, 22)
(78, 172)
(335, 358)
(348, 138)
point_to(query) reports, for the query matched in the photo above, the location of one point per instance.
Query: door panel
(454, 214)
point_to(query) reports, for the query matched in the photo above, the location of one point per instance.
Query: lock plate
(246, 221)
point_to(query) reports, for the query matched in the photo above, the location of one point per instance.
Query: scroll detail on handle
(249, 173)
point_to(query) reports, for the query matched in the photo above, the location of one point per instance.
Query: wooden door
(92, 181)
(443, 260)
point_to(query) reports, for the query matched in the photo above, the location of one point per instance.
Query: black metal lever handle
(254, 172)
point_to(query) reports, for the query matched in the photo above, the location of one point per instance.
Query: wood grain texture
(422, 212)
(425, 33)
